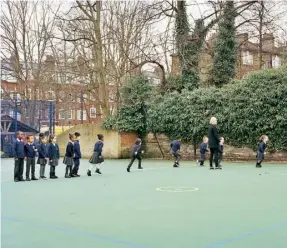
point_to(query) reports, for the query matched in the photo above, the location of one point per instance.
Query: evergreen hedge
(245, 110)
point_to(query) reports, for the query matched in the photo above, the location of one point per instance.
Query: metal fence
(34, 114)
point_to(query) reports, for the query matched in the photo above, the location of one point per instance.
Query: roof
(21, 126)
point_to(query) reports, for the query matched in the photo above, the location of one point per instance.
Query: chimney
(268, 41)
(242, 38)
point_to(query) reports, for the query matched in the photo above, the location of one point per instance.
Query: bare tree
(26, 31)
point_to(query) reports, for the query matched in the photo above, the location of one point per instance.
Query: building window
(247, 58)
(61, 114)
(93, 112)
(276, 62)
(79, 115)
(13, 95)
(69, 114)
(51, 95)
(65, 114)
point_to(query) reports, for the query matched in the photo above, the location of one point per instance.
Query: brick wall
(127, 142)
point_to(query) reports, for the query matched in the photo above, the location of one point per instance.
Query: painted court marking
(246, 235)
(177, 189)
(74, 232)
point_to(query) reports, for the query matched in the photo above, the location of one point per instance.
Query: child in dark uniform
(261, 150)
(54, 155)
(220, 152)
(19, 155)
(30, 154)
(69, 155)
(97, 158)
(43, 156)
(136, 154)
(174, 150)
(78, 155)
(203, 151)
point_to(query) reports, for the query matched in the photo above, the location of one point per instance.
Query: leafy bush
(132, 116)
(245, 110)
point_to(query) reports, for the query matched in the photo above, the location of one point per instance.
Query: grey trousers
(52, 169)
(30, 164)
(42, 170)
(19, 168)
(176, 156)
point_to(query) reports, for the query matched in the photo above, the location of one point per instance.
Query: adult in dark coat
(213, 143)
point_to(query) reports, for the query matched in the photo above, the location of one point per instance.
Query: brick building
(247, 56)
(75, 101)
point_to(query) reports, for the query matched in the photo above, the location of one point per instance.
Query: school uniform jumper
(19, 155)
(136, 154)
(175, 148)
(43, 154)
(203, 150)
(68, 159)
(54, 156)
(30, 154)
(77, 157)
(97, 157)
(260, 154)
(213, 143)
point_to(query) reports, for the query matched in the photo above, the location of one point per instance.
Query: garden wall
(116, 145)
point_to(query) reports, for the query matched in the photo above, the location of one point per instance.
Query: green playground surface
(158, 207)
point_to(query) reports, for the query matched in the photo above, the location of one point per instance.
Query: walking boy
(77, 156)
(203, 150)
(175, 148)
(30, 153)
(19, 155)
(136, 154)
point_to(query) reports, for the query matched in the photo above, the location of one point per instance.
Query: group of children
(50, 154)
(47, 153)
(175, 148)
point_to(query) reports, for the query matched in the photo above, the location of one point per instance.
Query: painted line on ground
(246, 235)
(74, 232)
(177, 189)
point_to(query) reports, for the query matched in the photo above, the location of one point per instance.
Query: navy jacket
(262, 147)
(30, 150)
(18, 149)
(203, 148)
(175, 146)
(70, 150)
(53, 151)
(213, 137)
(220, 149)
(99, 147)
(137, 149)
(77, 149)
(42, 150)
